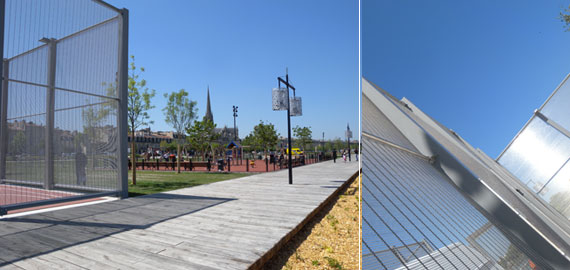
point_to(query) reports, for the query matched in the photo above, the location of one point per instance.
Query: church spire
(209, 115)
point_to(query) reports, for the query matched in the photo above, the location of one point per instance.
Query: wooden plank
(225, 225)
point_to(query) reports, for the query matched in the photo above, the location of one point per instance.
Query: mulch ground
(329, 241)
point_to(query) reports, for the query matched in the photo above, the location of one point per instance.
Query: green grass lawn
(149, 182)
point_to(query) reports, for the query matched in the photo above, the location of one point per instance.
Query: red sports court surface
(13, 194)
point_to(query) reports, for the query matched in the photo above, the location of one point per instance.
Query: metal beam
(123, 94)
(50, 115)
(3, 97)
(4, 119)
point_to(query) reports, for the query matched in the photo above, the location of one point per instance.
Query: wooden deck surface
(224, 225)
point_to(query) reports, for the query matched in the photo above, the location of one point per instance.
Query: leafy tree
(303, 135)
(170, 146)
(201, 135)
(565, 18)
(265, 136)
(138, 107)
(18, 143)
(180, 111)
(93, 118)
(339, 144)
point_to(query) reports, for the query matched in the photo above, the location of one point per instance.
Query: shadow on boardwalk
(33, 235)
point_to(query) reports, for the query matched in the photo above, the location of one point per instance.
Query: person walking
(344, 156)
(356, 153)
(334, 155)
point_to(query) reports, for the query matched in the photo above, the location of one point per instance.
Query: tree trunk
(134, 158)
(178, 157)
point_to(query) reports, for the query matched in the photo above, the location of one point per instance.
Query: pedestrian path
(234, 224)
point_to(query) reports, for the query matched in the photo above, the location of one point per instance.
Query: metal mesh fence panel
(60, 128)
(413, 217)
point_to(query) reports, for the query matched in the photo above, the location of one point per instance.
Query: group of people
(345, 154)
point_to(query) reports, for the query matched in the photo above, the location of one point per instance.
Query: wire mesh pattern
(60, 97)
(414, 218)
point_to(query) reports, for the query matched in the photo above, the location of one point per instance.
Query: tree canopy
(139, 99)
(201, 135)
(304, 136)
(180, 111)
(264, 135)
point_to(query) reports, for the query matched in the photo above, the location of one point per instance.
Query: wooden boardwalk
(232, 224)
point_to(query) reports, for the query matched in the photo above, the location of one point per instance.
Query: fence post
(247, 164)
(266, 165)
(3, 97)
(229, 164)
(50, 114)
(3, 105)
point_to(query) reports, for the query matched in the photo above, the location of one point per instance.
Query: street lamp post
(235, 115)
(348, 135)
(297, 111)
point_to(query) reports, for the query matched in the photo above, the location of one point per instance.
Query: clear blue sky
(239, 48)
(479, 67)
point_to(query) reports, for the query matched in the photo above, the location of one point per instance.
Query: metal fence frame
(122, 99)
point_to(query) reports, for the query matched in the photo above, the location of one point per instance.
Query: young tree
(265, 136)
(138, 107)
(18, 143)
(303, 135)
(201, 135)
(180, 111)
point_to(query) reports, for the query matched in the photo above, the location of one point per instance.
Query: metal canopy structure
(63, 102)
(422, 183)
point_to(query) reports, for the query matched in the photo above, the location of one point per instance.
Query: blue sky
(479, 67)
(239, 48)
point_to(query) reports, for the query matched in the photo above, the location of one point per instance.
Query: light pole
(348, 135)
(235, 115)
(279, 105)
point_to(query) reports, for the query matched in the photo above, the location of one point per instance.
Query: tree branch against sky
(565, 18)
(138, 108)
(179, 112)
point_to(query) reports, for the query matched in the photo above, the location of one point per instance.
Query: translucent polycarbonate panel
(557, 191)
(279, 99)
(375, 123)
(85, 142)
(557, 108)
(28, 21)
(88, 61)
(536, 154)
